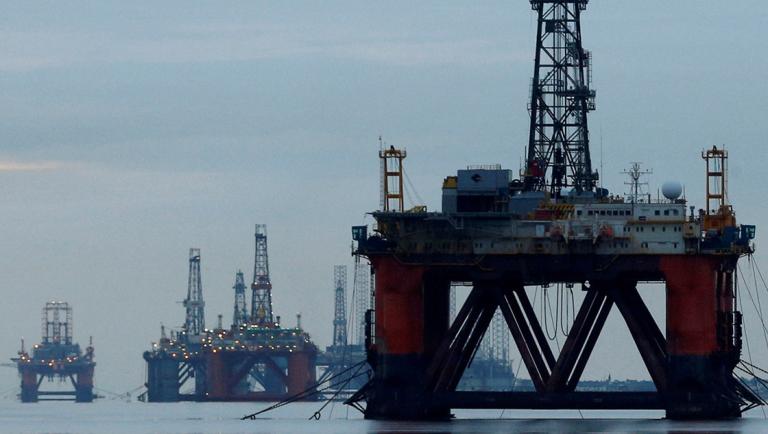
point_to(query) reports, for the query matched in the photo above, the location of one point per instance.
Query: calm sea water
(139, 418)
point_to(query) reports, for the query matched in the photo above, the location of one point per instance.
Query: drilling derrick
(57, 356)
(340, 301)
(256, 359)
(342, 359)
(194, 324)
(261, 302)
(57, 323)
(558, 142)
(240, 314)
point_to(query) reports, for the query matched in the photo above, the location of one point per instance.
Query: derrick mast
(261, 302)
(340, 311)
(240, 314)
(194, 323)
(558, 142)
(57, 323)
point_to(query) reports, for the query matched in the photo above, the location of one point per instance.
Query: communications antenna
(635, 184)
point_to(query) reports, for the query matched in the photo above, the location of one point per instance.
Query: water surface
(139, 418)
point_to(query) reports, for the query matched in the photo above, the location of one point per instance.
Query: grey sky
(131, 131)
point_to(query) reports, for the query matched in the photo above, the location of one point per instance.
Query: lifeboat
(606, 231)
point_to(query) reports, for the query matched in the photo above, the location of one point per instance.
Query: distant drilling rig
(552, 227)
(56, 357)
(255, 359)
(344, 360)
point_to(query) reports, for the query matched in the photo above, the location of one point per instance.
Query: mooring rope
(318, 414)
(744, 324)
(755, 305)
(306, 393)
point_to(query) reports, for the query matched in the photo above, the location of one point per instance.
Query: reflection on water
(633, 426)
(138, 418)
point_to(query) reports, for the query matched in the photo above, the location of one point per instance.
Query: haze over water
(223, 418)
(131, 131)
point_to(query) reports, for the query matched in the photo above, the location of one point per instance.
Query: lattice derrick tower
(261, 288)
(240, 314)
(495, 343)
(362, 295)
(194, 304)
(558, 143)
(340, 301)
(57, 323)
(500, 338)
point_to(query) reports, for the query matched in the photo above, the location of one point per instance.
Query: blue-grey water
(138, 418)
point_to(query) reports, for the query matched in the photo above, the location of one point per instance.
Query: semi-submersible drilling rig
(553, 226)
(56, 357)
(255, 359)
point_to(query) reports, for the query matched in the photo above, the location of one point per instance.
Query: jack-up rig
(56, 357)
(554, 226)
(256, 359)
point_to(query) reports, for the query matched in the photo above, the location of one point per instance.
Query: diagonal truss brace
(548, 374)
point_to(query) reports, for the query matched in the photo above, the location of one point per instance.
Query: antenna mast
(635, 173)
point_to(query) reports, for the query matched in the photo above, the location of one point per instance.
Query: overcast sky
(132, 131)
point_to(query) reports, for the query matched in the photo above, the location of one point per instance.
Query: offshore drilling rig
(553, 225)
(347, 351)
(57, 356)
(255, 359)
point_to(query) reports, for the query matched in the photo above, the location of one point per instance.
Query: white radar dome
(672, 190)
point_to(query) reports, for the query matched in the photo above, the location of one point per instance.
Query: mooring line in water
(318, 413)
(310, 391)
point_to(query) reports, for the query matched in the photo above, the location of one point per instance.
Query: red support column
(218, 376)
(28, 385)
(700, 376)
(691, 304)
(399, 308)
(301, 372)
(84, 387)
(399, 349)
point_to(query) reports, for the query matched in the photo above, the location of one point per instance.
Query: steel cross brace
(548, 374)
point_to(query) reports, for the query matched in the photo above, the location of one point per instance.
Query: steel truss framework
(261, 297)
(233, 378)
(558, 143)
(554, 377)
(194, 304)
(419, 356)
